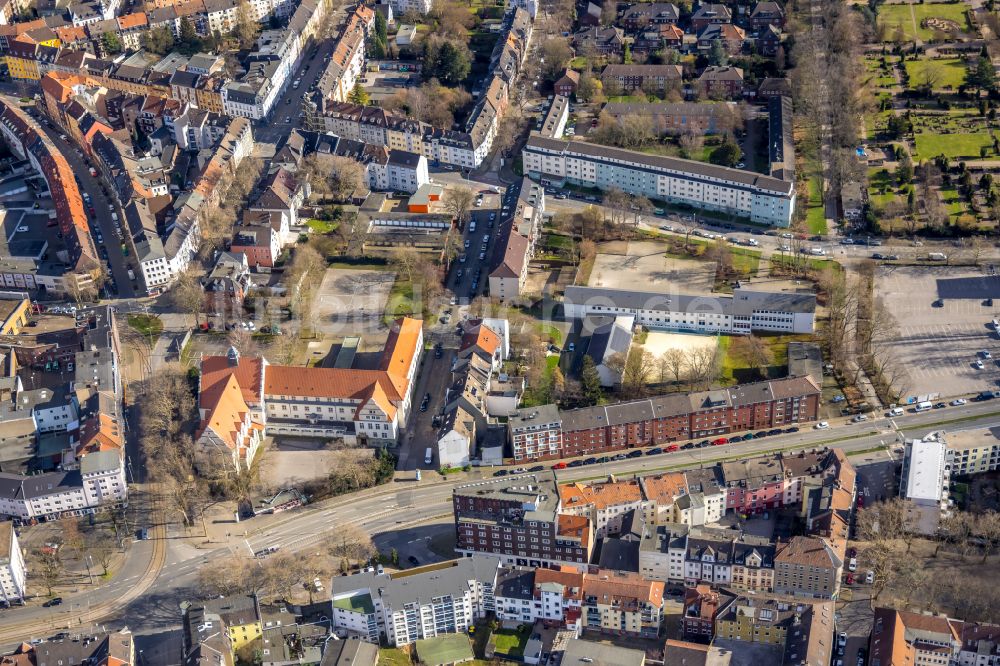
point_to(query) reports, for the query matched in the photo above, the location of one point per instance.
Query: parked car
(413, 560)
(822, 425)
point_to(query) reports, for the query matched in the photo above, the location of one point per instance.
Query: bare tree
(49, 568)
(101, 545)
(458, 202)
(187, 295)
(351, 542)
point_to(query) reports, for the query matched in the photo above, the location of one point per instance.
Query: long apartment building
(241, 398)
(521, 520)
(759, 198)
(744, 312)
(546, 433)
(408, 606)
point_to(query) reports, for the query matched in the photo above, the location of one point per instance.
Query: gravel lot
(351, 302)
(644, 267)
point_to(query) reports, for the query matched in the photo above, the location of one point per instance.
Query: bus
(923, 406)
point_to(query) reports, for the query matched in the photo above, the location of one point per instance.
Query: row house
(721, 82)
(12, 569)
(905, 637)
(767, 14)
(614, 602)
(261, 237)
(227, 285)
(663, 419)
(678, 117)
(709, 14)
(716, 556)
(605, 503)
(518, 234)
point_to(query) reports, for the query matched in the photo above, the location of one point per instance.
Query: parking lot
(386, 83)
(943, 324)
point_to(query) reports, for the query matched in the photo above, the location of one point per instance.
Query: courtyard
(938, 340)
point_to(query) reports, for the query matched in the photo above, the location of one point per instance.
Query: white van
(923, 406)
(429, 456)
(896, 411)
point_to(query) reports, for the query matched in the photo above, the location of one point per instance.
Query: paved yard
(938, 344)
(293, 461)
(645, 267)
(351, 302)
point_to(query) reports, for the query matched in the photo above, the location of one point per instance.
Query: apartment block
(413, 605)
(12, 570)
(972, 451)
(545, 433)
(521, 520)
(762, 199)
(809, 567)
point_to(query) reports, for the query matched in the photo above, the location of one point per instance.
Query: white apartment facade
(400, 7)
(417, 606)
(12, 570)
(760, 198)
(742, 313)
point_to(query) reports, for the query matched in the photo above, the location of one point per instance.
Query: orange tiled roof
(600, 495)
(665, 488)
(249, 374)
(226, 413)
(620, 586)
(482, 337)
(568, 577)
(324, 382)
(400, 348)
(99, 434)
(70, 34)
(134, 20)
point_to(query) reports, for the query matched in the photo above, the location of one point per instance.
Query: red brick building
(519, 520)
(662, 419)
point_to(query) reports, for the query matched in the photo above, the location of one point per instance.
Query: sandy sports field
(659, 342)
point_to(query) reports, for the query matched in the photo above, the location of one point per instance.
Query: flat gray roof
(661, 163)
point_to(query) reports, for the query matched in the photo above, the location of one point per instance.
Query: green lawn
(578, 63)
(510, 642)
(148, 325)
(930, 145)
(629, 98)
(393, 657)
(400, 300)
(881, 78)
(747, 261)
(550, 332)
(815, 210)
(945, 73)
(903, 16)
(953, 203)
(321, 226)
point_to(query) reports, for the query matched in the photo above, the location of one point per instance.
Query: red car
(720, 441)
(850, 579)
(861, 501)
(559, 465)
(672, 448)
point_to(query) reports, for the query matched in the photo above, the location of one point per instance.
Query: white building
(518, 234)
(406, 608)
(743, 312)
(760, 198)
(103, 475)
(48, 495)
(400, 7)
(12, 575)
(406, 172)
(973, 451)
(925, 475)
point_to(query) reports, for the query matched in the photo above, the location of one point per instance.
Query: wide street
(146, 595)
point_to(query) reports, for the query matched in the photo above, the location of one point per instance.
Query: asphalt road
(286, 114)
(100, 219)
(400, 509)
